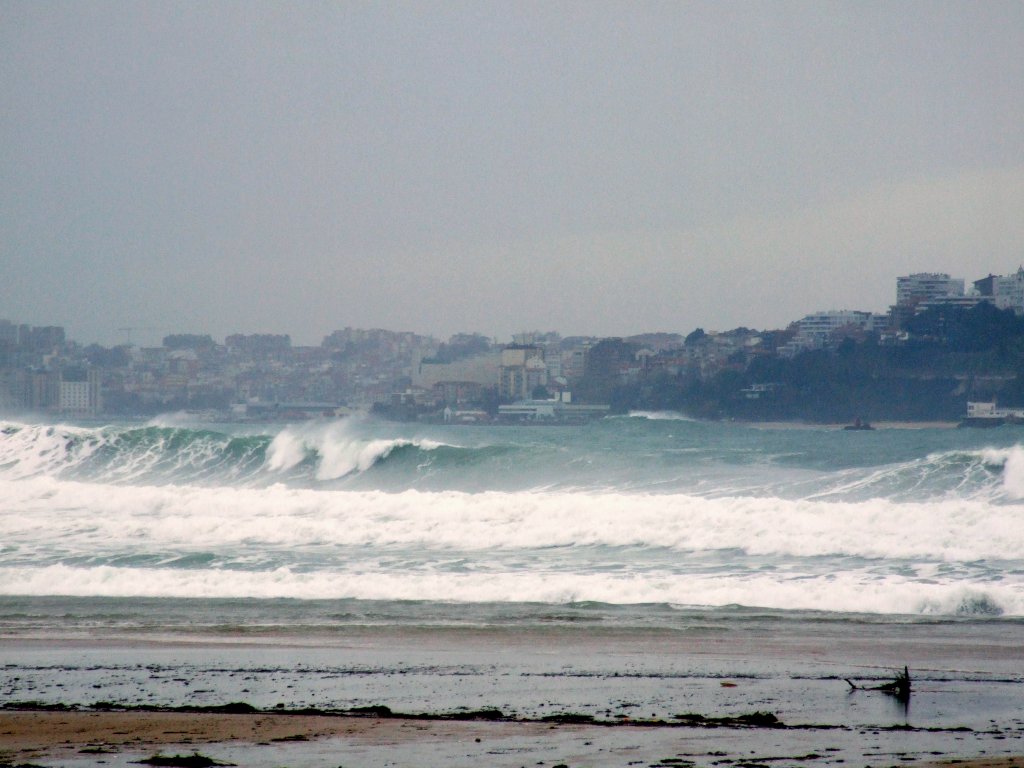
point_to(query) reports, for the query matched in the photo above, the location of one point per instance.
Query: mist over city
(939, 350)
(593, 168)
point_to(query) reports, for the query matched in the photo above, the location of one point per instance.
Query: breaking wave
(1011, 460)
(161, 453)
(956, 558)
(649, 453)
(278, 516)
(845, 593)
(629, 510)
(334, 453)
(660, 416)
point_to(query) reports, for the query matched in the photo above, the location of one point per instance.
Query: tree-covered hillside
(947, 356)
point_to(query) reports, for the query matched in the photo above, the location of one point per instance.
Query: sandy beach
(124, 738)
(561, 695)
(33, 735)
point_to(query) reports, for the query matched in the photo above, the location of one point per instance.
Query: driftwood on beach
(900, 687)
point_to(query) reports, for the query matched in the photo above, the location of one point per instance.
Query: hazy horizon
(592, 168)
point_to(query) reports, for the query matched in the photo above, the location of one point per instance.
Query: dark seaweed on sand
(195, 760)
(752, 720)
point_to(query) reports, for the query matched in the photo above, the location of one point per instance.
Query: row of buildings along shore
(538, 376)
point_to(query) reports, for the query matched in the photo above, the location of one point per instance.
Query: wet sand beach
(522, 696)
(125, 738)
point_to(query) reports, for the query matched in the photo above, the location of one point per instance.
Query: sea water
(627, 567)
(645, 510)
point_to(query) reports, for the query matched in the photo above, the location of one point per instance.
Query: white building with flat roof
(483, 369)
(923, 286)
(81, 398)
(1008, 291)
(817, 329)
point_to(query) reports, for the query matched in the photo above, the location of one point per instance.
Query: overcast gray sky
(590, 167)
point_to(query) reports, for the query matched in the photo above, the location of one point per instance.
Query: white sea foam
(173, 420)
(846, 592)
(340, 451)
(660, 416)
(28, 450)
(33, 450)
(188, 516)
(326, 451)
(959, 552)
(285, 451)
(1012, 461)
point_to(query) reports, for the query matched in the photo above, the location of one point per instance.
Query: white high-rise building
(1008, 291)
(923, 286)
(815, 331)
(913, 291)
(81, 398)
(821, 324)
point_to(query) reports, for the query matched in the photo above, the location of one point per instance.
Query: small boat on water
(989, 415)
(859, 425)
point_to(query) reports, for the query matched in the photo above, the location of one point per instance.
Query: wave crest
(660, 416)
(334, 450)
(1012, 462)
(165, 452)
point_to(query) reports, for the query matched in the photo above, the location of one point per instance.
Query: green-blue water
(640, 510)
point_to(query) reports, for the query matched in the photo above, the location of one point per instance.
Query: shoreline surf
(598, 571)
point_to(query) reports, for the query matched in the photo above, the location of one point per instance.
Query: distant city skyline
(601, 168)
(912, 292)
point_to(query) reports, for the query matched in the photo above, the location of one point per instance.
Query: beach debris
(375, 710)
(379, 710)
(899, 687)
(38, 706)
(752, 720)
(478, 714)
(568, 718)
(195, 760)
(232, 708)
